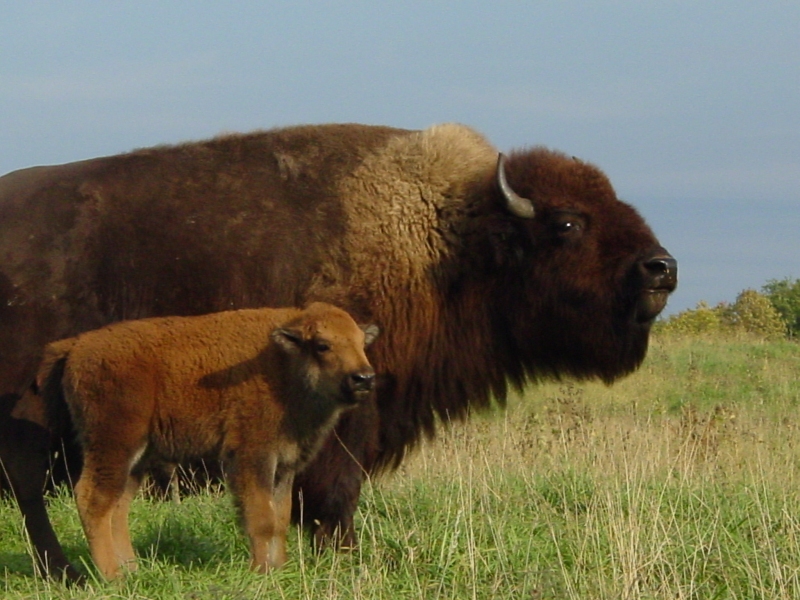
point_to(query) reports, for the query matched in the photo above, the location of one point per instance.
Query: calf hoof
(265, 567)
(129, 566)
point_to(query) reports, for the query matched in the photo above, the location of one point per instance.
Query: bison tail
(51, 392)
(46, 410)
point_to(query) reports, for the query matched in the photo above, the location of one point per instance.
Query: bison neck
(440, 358)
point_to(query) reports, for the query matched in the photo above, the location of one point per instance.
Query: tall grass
(681, 481)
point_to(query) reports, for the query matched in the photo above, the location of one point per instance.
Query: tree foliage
(784, 294)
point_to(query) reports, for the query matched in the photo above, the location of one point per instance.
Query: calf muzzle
(359, 385)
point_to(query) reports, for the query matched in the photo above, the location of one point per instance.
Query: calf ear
(290, 340)
(370, 333)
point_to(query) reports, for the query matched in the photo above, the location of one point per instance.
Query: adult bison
(482, 273)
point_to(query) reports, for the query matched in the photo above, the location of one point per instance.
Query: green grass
(682, 481)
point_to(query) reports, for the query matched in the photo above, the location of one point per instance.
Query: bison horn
(516, 204)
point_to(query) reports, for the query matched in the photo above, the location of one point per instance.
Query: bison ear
(290, 340)
(370, 333)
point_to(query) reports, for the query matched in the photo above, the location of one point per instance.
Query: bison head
(581, 276)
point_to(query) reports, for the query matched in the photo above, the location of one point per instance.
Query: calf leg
(265, 517)
(282, 498)
(261, 527)
(121, 533)
(98, 494)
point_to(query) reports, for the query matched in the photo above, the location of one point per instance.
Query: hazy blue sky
(692, 108)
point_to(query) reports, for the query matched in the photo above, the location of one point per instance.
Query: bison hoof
(326, 537)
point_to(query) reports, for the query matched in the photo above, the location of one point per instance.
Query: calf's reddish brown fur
(260, 389)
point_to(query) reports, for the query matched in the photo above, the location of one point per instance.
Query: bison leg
(165, 481)
(25, 454)
(327, 490)
(333, 526)
(99, 494)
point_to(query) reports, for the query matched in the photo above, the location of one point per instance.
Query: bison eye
(568, 225)
(321, 347)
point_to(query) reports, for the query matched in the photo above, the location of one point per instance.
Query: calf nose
(362, 381)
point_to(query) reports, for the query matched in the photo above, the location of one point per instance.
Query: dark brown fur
(258, 389)
(406, 229)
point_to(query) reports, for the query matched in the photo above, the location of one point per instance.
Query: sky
(691, 108)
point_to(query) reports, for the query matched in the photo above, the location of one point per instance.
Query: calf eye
(321, 347)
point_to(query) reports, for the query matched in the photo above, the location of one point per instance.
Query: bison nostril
(661, 265)
(661, 271)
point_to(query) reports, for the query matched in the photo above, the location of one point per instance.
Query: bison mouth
(650, 304)
(659, 274)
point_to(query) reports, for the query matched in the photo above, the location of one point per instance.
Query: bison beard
(480, 277)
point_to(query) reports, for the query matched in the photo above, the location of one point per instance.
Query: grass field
(682, 481)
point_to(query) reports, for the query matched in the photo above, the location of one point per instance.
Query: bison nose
(661, 272)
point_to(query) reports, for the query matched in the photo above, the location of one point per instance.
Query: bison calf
(260, 389)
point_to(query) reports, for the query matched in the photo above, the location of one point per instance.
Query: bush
(752, 313)
(700, 320)
(784, 294)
